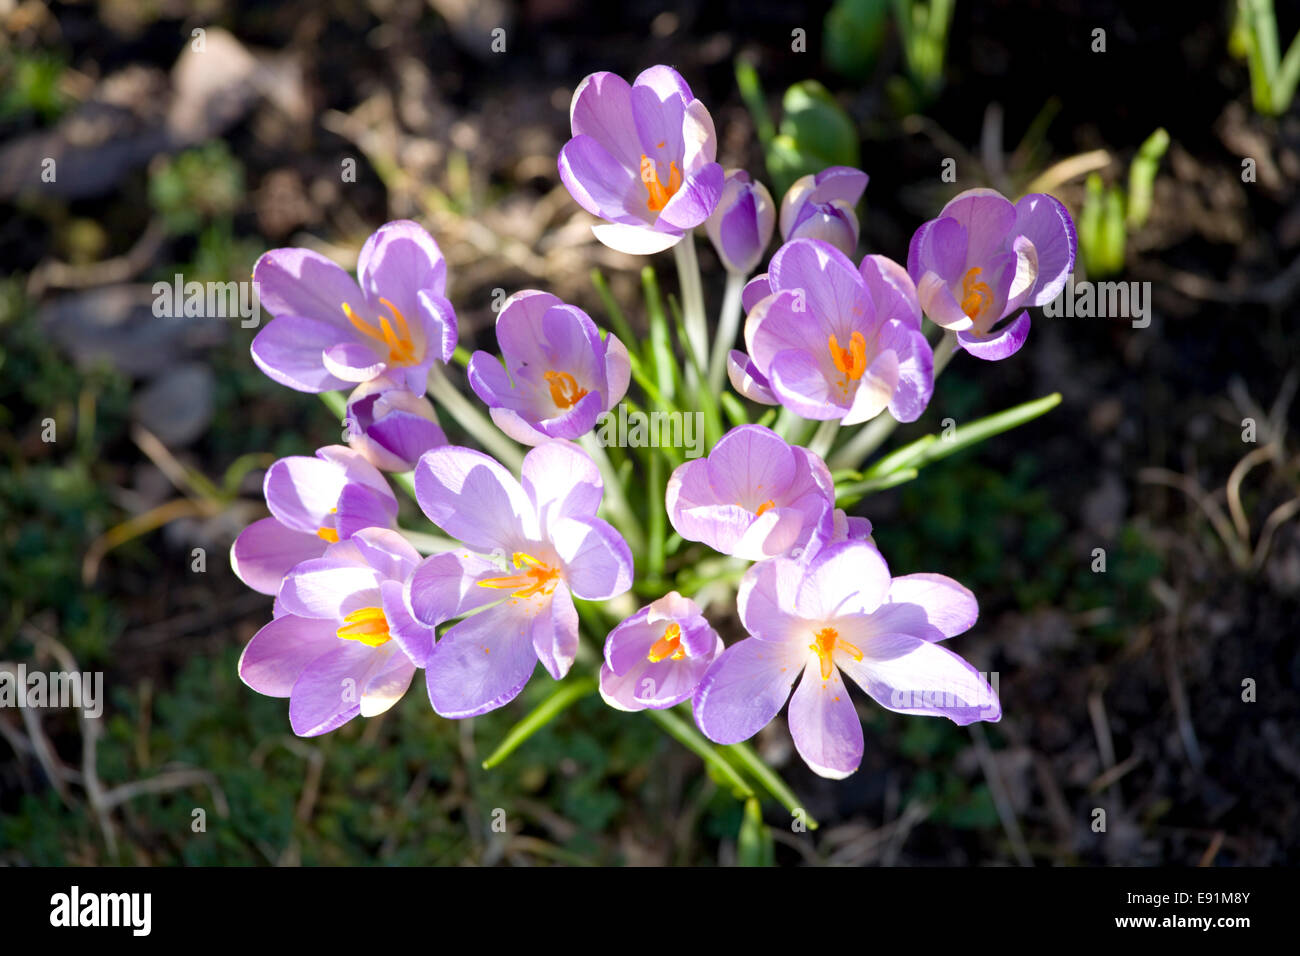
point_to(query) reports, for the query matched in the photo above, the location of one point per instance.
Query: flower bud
(741, 227)
(820, 206)
(390, 425)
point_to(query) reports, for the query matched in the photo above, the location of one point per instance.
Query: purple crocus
(983, 258)
(820, 206)
(331, 332)
(545, 525)
(641, 158)
(314, 502)
(657, 656)
(390, 425)
(841, 613)
(741, 227)
(343, 643)
(559, 375)
(753, 497)
(827, 340)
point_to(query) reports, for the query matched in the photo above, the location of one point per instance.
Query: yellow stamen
(658, 193)
(976, 295)
(367, 625)
(670, 645)
(564, 389)
(850, 362)
(538, 579)
(326, 533)
(401, 346)
(825, 643)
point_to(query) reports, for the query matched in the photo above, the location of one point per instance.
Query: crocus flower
(657, 656)
(840, 614)
(753, 497)
(831, 341)
(641, 158)
(820, 206)
(559, 375)
(390, 425)
(343, 644)
(313, 502)
(983, 258)
(331, 332)
(547, 528)
(741, 227)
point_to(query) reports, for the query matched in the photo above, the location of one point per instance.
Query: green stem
(688, 277)
(615, 500)
(472, 420)
(824, 437)
(692, 740)
(567, 694)
(770, 779)
(656, 513)
(728, 326)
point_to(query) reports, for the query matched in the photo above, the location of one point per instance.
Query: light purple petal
(599, 183)
(278, 654)
(481, 663)
(555, 633)
(304, 283)
(474, 499)
(915, 676)
(824, 725)
(602, 109)
(597, 561)
(399, 261)
(745, 687)
(766, 599)
(844, 579)
(290, 351)
(949, 605)
(266, 551)
(328, 692)
(1000, 344)
(1047, 224)
(446, 585)
(562, 481)
(695, 201)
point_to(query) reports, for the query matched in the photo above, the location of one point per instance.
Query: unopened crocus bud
(820, 206)
(741, 227)
(390, 425)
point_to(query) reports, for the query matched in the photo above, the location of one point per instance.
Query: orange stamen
(670, 645)
(825, 643)
(539, 578)
(400, 344)
(564, 389)
(976, 295)
(765, 507)
(850, 362)
(658, 193)
(367, 625)
(326, 533)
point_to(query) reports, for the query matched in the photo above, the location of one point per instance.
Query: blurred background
(1162, 690)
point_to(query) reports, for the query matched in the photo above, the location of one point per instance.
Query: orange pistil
(367, 625)
(850, 362)
(825, 642)
(401, 347)
(669, 646)
(659, 194)
(565, 392)
(976, 295)
(765, 507)
(539, 578)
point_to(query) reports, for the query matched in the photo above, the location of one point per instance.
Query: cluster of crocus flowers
(358, 611)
